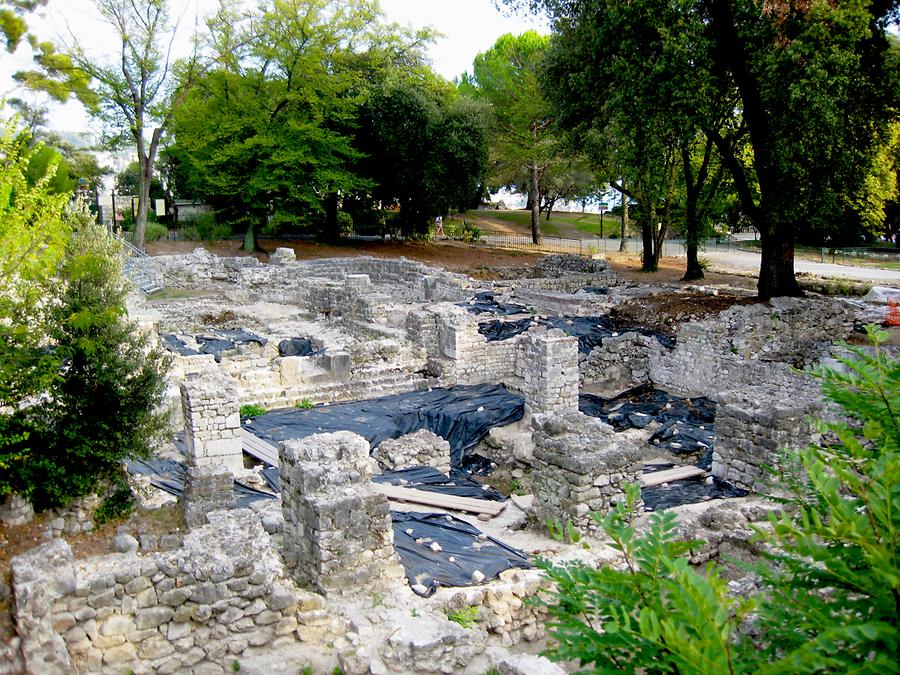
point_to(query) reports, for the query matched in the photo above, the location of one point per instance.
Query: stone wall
(752, 425)
(206, 489)
(750, 345)
(203, 604)
(504, 607)
(456, 351)
(337, 530)
(422, 448)
(581, 467)
(209, 407)
(15, 510)
(549, 362)
(620, 363)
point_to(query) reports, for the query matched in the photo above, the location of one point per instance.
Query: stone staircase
(140, 268)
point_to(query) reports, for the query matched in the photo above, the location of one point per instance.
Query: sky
(468, 26)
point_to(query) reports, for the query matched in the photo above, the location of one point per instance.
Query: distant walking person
(439, 227)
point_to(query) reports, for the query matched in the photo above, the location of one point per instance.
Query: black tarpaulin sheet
(168, 475)
(431, 480)
(637, 407)
(593, 290)
(496, 331)
(687, 491)
(685, 438)
(297, 346)
(224, 340)
(591, 331)
(484, 303)
(463, 550)
(175, 344)
(462, 415)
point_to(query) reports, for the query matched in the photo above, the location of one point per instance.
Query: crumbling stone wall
(752, 425)
(456, 351)
(210, 410)
(206, 489)
(504, 606)
(750, 345)
(353, 296)
(549, 365)
(337, 530)
(581, 467)
(15, 510)
(619, 363)
(203, 604)
(422, 448)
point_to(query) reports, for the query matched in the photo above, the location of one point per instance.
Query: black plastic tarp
(687, 491)
(462, 415)
(175, 344)
(168, 475)
(593, 290)
(463, 551)
(224, 340)
(484, 303)
(431, 480)
(636, 408)
(297, 346)
(496, 331)
(591, 331)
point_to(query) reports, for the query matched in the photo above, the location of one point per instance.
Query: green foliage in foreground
(831, 601)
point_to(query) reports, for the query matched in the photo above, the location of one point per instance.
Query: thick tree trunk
(250, 238)
(623, 246)
(535, 192)
(332, 233)
(776, 268)
(649, 262)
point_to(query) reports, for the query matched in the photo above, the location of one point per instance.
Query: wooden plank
(256, 447)
(413, 496)
(670, 475)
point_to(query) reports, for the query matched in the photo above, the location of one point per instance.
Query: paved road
(745, 261)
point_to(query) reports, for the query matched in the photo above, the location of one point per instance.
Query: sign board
(160, 207)
(105, 200)
(604, 206)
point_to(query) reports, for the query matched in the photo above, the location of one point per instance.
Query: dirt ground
(480, 262)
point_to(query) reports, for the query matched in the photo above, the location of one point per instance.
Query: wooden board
(670, 475)
(258, 448)
(413, 496)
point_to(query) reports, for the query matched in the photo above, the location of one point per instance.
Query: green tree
(508, 77)
(425, 147)
(135, 95)
(128, 182)
(267, 136)
(33, 234)
(105, 402)
(801, 73)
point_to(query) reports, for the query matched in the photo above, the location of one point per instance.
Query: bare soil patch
(670, 272)
(479, 262)
(666, 311)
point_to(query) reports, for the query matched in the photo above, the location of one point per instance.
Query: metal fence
(593, 245)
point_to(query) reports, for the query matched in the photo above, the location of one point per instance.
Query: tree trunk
(649, 263)
(623, 246)
(535, 192)
(692, 217)
(140, 223)
(550, 208)
(776, 268)
(250, 238)
(332, 233)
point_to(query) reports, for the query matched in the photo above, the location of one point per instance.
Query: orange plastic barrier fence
(893, 312)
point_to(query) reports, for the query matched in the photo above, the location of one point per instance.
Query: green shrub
(345, 222)
(208, 229)
(304, 404)
(830, 602)
(252, 410)
(102, 406)
(117, 505)
(155, 232)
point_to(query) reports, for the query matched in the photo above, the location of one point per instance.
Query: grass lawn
(561, 224)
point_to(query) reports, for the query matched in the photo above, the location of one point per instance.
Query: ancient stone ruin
(295, 549)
